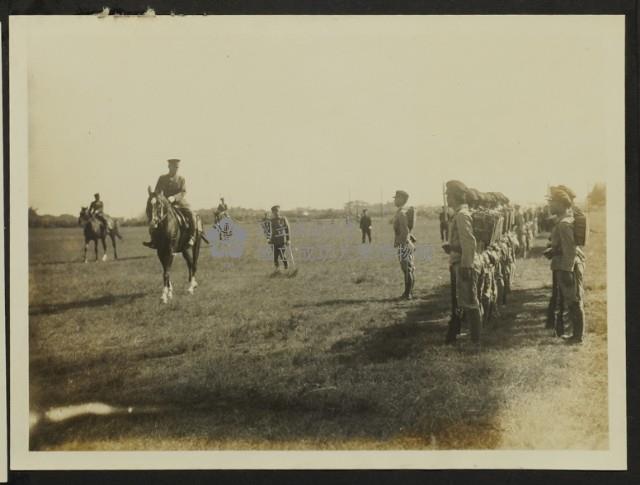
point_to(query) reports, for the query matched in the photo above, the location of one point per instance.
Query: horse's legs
(166, 258)
(115, 249)
(86, 246)
(190, 259)
(104, 248)
(95, 247)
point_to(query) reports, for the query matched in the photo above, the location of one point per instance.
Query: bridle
(158, 212)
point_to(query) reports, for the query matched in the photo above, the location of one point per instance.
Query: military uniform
(96, 208)
(403, 242)
(464, 262)
(365, 227)
(280, 237)
(567, 265)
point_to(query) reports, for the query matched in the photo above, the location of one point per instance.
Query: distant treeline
(351, 210)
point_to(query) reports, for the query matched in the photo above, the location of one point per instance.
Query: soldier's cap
(275, 208)
(560, 195)
(401, 194)
(569, 192)
(455, 186)
(96, 194)
(473, 195)
(174, 160)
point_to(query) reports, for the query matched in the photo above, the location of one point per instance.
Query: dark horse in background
(95, 230)
(171, 236)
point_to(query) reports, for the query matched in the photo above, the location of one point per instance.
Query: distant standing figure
(403, 242)
(444, 224)
(280, 237)
(365, 225)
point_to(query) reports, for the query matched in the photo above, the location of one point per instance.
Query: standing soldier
(174, 188)
(444, 224)
(567, 261)
(365, 225)
(280, 237)
(403, 241)
(463, 260)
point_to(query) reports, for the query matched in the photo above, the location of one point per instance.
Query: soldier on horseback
(96, 209)
(173, 186)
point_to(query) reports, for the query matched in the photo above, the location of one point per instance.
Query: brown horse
(95, 230)
(170, 237)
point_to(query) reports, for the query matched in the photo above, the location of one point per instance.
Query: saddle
(183, 221)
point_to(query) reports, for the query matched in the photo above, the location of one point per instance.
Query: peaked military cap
(567, 190)
(96, 194)
(456, 186)
(174, 160)
(401, 193)
(275, 208)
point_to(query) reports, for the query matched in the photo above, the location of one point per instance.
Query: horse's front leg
(115, 249)
(167, 259)
(86, 247)
(104, 248)
(192, 273)
(95, 247)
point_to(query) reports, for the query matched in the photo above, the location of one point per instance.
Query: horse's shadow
(54, 308)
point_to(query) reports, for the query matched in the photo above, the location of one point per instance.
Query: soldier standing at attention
(174, 188)
(280, 237)
(444, 224)
(463, 261)
(567, 261)
(365, 225)
(403, 242)
(96, 208)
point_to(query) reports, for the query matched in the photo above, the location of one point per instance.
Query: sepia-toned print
(322, 234)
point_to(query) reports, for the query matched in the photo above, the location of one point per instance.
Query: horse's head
(157, 208)
(84, 215)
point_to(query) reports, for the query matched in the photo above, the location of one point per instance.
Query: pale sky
(303, 111)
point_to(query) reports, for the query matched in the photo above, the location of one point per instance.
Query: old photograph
(377, 242)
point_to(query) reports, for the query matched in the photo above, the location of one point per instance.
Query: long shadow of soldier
(424, 324)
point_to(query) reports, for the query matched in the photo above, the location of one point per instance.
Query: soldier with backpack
(403, 223)
(567, 259)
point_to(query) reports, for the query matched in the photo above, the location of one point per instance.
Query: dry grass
(324, 360)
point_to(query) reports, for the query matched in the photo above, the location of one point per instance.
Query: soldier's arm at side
(568, 246)
(402, 227)
(159, 185)
(182, 185)
(467, 240)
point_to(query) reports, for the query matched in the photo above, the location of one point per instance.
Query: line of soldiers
(481, 245)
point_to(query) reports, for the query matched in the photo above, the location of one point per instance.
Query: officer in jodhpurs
(464, 261)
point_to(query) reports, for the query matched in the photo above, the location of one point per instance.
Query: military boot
(475, 323)
(576, 313)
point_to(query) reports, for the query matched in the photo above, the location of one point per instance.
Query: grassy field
(327, 359)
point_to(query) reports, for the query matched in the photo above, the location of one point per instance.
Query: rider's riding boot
(148, 244)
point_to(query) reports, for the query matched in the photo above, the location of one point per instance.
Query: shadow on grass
(346, 301)
(53, 308)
